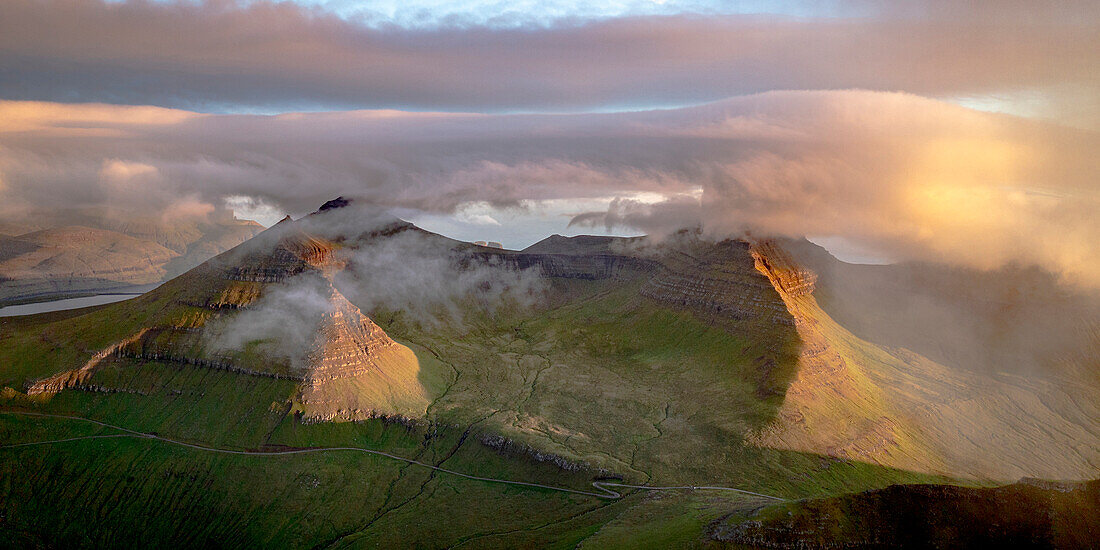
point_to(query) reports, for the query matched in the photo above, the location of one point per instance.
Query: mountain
(892, 406)
(74, 259)
(460, 368)
(91, 253)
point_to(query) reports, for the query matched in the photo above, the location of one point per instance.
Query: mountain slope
(356, 370)
(766, 362)
(682, 363)
(891, 406)
(76, 259)
(349, 367)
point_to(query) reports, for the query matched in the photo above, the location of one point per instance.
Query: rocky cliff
(854, 399)
(354, 370)
(717, 277)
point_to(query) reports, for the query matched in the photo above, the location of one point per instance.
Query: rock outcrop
(354, 370)
(715, 277)
(575, 266)
(80, 377)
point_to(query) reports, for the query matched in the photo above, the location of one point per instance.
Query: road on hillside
(604, 487)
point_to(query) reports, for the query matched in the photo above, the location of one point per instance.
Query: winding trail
(604, 487)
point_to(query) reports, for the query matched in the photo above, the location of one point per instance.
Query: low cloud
(419, 275)
(911, 177)
(282, 323)
(422, 278)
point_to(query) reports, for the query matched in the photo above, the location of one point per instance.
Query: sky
(929, 130)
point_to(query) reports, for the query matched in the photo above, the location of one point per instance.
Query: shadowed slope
(1030, 514)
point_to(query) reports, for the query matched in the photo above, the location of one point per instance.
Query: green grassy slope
(655, 393)
(595, 380)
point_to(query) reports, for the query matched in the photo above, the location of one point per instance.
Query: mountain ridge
(680, 363)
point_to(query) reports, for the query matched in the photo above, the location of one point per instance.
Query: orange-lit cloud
(911, 177)
(85, 118)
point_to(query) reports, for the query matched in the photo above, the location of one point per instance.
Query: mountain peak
(338, 202)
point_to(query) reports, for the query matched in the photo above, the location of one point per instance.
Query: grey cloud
(657, 219)
(411, 273)
(212, 55)
(282, 323)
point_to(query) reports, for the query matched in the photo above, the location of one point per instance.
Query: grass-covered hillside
(569, 363)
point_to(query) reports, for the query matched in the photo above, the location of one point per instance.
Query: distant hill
(581, 244)
(105, 254)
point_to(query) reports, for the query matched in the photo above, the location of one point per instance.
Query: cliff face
(786, 274)
(80, 377)
(578, 266)
(854, 399)
(716, 277)
(354, 370)
(292, 253)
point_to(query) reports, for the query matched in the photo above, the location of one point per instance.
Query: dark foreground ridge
(1028, 514)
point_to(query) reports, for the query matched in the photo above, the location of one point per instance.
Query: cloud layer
(221, 55)
(912, 177)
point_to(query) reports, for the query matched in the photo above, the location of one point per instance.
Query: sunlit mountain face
(637, 273)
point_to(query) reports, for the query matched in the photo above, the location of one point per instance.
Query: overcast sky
(928, 131)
